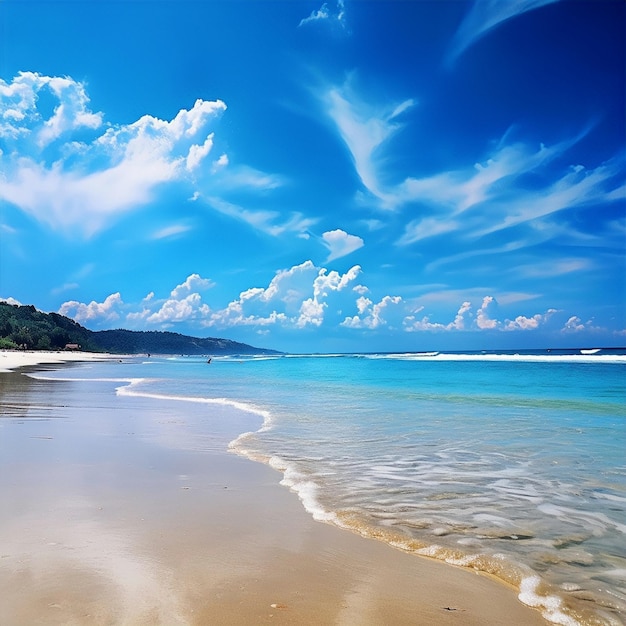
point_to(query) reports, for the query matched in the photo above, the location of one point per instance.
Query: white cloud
(180, 309)
(220, 163)
(311, 313)
(527, 323)
(279, 302)
(107, 311)
(270, 222)
(478, 199)
(459, 190)
(184, 304)
(340, 243)
(484, 16)
(463, 317)
(306, 296)
(325, 14)
(412, 324)
(247, 177)
(372, 315)
(89, 184)
(482, 320)
(295, 297)
(194, 282)
(364, 128)
(573, 325)
(170, 231)
(65, 287)
(334, 281)
(197, 153)
(579, 187)
(12, 301)
(363, 304)
(552, 268)
(419, 229)
(19, 114)
(484, 315)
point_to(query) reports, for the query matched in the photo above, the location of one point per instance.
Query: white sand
(12, 359)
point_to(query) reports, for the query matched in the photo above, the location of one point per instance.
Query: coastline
(13, 359)
(121, 527)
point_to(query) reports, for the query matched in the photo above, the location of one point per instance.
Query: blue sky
(307, 176)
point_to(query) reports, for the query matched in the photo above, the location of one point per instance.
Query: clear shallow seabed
(511, 464)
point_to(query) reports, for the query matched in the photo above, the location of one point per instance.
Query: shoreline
(11, 360)
(123, 526)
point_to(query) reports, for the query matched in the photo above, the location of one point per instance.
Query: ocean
(512, 464)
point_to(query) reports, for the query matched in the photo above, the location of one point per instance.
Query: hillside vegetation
(26, 328)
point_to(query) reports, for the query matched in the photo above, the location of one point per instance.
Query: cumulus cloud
(19, 116)
(183, 305)
(88, 183)
(485, 314)
(527, 323)
(311, 313)
(573, 325)
(107, 311)
(483, 319)
(197, 153)
(412, 324)
(463, 317)
(340, 243)
(372, 315)
(180, 309)
(307, 296)
(296, 297)
(484, 16)
(194, 282)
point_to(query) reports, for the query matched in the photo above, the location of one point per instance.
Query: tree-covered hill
(27, 328)
(164, 342)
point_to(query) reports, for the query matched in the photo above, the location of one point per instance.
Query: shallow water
(510, 464)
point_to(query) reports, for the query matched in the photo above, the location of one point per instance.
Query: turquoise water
(510, 464)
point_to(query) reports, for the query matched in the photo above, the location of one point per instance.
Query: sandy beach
(13, 359)
(114, 513)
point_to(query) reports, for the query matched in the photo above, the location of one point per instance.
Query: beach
(13, 359)
(104, 521)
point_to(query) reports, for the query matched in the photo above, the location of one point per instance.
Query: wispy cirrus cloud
(484, 16)
(170, 231)
(474, 205)
(482, 198)
(270, 222)
(364, 128)
(326, 14)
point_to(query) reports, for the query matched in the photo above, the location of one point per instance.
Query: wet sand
(131, 511)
